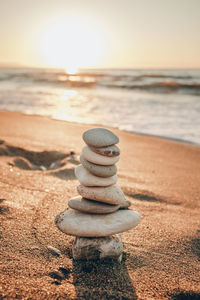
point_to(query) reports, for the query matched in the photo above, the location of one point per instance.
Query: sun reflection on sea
(68, 94)
(71, 105)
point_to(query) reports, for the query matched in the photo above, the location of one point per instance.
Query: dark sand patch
(60, 275)
(195, 246)
(3, 208)
(33, 160)
(65, 174)
(142, 195)
(112, 280)
(182, 295)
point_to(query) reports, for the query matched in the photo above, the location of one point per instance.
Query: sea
(164, 103)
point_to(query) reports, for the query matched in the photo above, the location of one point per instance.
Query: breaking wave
(164, 81)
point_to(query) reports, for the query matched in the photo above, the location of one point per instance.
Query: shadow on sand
(53, 161)
(142, 195)
(182, 295)
(106, 279)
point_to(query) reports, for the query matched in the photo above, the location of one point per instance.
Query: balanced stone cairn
(100, 212)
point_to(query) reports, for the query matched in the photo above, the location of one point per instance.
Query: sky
(100, 33)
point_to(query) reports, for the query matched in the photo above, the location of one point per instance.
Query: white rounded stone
(88, 179)
(100, 137)
(91, 206)
(98, 159)
(81, 224)
(111, 194)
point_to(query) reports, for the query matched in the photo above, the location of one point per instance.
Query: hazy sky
(101, 33)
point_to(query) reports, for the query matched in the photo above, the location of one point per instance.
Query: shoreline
(167, 138)
(111, 127)
(159, 177)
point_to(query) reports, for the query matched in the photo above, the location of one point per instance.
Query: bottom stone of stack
(77, 223)
(98, 248)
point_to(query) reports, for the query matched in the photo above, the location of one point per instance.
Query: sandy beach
(160, 177)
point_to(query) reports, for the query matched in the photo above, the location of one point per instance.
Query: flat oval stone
(74, 222)
(98, 170)
(98, 159)
(100, 137)
(91, 206)
(87, 179)
(111, 194)
(109, 151)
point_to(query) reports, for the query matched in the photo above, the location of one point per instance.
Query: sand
(160, 177)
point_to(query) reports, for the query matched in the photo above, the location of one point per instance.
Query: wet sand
(160, 177)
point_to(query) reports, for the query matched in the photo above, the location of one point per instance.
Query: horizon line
(18, 65)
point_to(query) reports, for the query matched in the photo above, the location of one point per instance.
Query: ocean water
(157, 102)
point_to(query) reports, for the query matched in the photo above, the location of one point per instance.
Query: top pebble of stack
(100, 137)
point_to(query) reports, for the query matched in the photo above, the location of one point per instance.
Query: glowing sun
(71, 43)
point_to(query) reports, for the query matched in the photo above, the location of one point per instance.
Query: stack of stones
(100, 212)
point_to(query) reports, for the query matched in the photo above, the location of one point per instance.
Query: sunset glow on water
(159, 102)
(132, 65)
